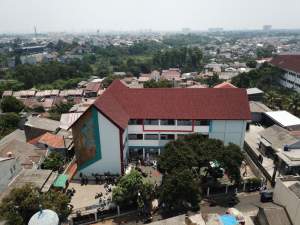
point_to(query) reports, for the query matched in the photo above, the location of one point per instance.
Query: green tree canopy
(11, 104)
(54, 161)
(158, 84)
(180, 190)
(197, 151)
(18, 207)
(130, 188)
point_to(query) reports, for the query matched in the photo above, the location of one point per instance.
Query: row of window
(168, 122)
(151, 137)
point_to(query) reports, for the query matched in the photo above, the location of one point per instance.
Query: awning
(61, 181)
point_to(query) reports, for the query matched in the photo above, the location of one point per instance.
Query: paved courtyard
(85, 194)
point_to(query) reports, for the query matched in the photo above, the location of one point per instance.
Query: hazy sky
(90, 15)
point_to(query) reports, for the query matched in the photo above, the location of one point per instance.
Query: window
(135, 122)
(151, 136)
(184, 122)
(150, 122)
(202, 122)
(167, 137)
(167, 122)
(135, 136)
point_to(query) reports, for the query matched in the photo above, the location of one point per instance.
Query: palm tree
(272, 99)
(294, 103)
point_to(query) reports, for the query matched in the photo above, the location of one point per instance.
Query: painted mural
(87, 139)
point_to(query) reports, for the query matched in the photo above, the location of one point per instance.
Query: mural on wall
(87, 139)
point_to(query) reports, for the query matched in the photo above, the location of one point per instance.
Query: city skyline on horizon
(136, 15)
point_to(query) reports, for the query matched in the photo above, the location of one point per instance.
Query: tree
(251, 64)
(11, 104)
(294, 103)
(8, 123)
(21, 203)
(197, 151)
(63, 107)
(180, 191)
(54, 161)
(129, 188)
(158, 84)
(272, 98)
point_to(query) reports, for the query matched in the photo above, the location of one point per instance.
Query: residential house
(283, 146)
(127, 124)
(255, 94)
(36, 126)
(172, 74)
(92, 89)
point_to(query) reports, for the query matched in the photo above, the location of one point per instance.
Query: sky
(20, 16)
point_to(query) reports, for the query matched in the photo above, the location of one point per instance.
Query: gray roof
(278, 137)
(42, 123)
(275, 215)
(258, 107)
(296, 189)
(26, 153)
(42, 179)
(15, 135)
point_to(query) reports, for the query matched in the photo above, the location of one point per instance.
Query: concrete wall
(228, 131)
(8, 170)
(291, 80)
(288, 199)
(110, 149)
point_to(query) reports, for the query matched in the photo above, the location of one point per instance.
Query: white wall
(110, 149)
(228, 131)
(286, 198)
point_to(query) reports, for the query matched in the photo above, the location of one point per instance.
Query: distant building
(290, 64)
(267, 28)
(215, 29)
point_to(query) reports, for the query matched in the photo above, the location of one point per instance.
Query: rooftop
(288, 62)
(283, 118)
(121, 103)
(225, 85)
(278, 137)
(42, 123)
(43, 179)
(258, 107)
(254, 91)
(26, 153)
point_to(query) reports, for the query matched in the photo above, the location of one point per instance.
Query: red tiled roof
(121, 103)
(52, 140)
(289, 62)
(225, 85)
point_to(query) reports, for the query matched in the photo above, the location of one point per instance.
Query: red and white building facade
(135, 124)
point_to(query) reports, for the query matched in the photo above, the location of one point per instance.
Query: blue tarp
(228, 220)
